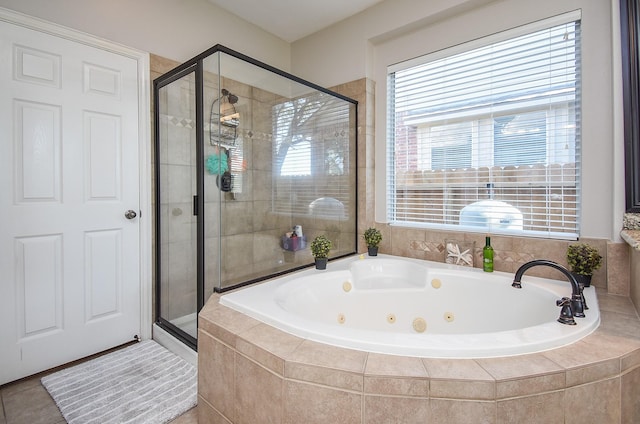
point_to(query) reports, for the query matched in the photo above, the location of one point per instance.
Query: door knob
(130, 214)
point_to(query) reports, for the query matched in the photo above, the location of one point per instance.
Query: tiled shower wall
(249, 229)
(180, 291)
(250, 233)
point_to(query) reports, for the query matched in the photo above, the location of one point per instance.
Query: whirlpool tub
(411, 307)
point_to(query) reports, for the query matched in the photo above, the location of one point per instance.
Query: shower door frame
(196, 65)
(198, 199)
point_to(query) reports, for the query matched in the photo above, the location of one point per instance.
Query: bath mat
(142, 383)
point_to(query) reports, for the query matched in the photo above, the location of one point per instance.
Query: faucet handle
(577, 306)
(566, 314)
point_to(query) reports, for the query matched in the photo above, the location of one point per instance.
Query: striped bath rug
(142, 383)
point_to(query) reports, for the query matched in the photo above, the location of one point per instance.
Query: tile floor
(28, 402)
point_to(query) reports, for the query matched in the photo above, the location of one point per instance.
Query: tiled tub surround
(250, 372)
(510, 252)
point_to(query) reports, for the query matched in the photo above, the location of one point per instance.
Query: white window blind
(311, 175)
(489, 138)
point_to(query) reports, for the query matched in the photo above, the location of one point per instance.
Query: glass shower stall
(251, 163)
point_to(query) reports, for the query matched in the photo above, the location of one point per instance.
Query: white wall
(398, 30)
(177, 30)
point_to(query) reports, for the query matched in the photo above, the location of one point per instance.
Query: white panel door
(69, 171)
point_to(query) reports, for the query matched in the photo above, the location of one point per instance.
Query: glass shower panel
(177, 224)
(279, 154)
(219, 138)
(251, 164)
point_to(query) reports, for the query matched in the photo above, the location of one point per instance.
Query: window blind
(311, 175)
(489, 138)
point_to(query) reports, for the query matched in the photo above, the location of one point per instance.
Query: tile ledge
(632, 237)
(629, 347)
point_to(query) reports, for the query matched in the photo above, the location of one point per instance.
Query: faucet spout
(577, 303)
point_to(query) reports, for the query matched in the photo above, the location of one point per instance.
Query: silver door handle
(130, 214)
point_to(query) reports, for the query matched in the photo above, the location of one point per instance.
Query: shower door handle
(130, 214)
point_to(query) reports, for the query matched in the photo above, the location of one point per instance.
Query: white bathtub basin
(410, 307)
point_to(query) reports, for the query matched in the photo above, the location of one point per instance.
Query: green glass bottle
(487, 256)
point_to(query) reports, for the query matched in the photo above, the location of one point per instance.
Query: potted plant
(372, 237)
(320, 247)
(583, 260)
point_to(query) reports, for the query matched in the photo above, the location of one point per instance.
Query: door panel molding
(41, 70)
(144, 119)
(38, 285)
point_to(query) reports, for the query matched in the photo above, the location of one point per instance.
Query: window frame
(629, 27)
(574, 16)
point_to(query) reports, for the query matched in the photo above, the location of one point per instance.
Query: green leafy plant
(583, 259)
(372, 237)
(320, 246)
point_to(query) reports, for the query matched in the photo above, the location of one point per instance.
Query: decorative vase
(373, 251)
(583, 280)
(321, 263)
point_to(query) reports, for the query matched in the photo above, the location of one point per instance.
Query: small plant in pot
(320, 247)
(583, 260)
(372, 237)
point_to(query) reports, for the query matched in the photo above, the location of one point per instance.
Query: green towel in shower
(217, 164)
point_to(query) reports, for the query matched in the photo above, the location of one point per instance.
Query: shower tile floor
(28, 402)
